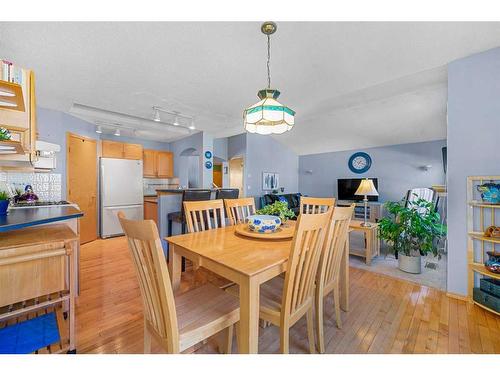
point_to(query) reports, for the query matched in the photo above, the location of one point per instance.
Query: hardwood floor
(387, 315)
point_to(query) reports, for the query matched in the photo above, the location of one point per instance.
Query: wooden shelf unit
(11, 147)
(11, 96)
(480, 215)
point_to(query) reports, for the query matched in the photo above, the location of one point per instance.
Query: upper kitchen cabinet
(17, 115)
(158, 164)
(120, 150)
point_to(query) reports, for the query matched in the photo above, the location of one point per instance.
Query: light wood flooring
(386, 316)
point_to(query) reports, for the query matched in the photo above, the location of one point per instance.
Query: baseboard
(458, 296)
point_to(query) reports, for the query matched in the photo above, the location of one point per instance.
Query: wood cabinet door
(112, 149)
(132, 151)
(165, 164)
(149, 163)
(151, 211)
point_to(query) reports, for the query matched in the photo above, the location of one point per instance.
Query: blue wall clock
(208, 164)
(360, 162)
(208, 154)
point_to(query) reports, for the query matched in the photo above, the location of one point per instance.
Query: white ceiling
(353, 85)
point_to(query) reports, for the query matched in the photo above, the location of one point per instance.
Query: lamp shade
(366, 187)
(268, 116)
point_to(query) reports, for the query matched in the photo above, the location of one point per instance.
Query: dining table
(246, 261)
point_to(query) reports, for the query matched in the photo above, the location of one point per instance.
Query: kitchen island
(38, 273)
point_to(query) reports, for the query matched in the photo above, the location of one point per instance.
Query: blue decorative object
(263, 223)
(493, 262)
(360, 162)
(208, 164)
(30, 335)
(490, 192)
(4, 205)
(208, 154)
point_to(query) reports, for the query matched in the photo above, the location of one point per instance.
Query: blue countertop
(27, 217)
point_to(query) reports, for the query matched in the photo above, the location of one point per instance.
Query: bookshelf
(480, 215)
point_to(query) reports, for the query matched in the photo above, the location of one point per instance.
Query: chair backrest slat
(239, 209)
(204, 215)
(334, 245)
(303, 262)
(311, 205)
(154, 282)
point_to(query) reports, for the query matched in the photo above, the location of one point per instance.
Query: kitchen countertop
(27, 217)
(179, 190)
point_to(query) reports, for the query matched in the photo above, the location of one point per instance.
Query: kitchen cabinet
(20, 120)
(149, 163)
(121, 150)
(151, 209)
(165, 163)
(158, 164)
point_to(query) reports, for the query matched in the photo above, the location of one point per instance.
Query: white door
(110, 224)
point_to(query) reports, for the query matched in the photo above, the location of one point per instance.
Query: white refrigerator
(121, 189)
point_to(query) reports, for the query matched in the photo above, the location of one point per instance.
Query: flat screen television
(346, 187)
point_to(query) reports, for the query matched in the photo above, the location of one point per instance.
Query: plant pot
(410, 264)
(4, 205)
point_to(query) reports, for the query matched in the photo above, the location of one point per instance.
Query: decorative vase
(410, 264)
(4, 205)
(493, 262)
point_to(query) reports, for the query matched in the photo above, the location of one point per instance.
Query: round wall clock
(360, 162)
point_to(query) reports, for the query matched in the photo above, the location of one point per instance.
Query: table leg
(72, 292)
(249, 317)
(369, 247)
(344, 278)
(174, 267)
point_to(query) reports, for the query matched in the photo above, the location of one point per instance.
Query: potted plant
(411, 232)
(278, 208)
(4, 202)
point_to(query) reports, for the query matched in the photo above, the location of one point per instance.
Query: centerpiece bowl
(263, 223)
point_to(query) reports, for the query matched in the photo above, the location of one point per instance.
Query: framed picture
(270, 180)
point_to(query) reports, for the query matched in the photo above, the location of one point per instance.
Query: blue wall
(52, 126)
(473, 141)
(266, 154)
(398, 169)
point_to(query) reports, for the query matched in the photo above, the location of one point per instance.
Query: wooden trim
(459, 297)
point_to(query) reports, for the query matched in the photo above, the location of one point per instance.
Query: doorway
(236, 174)
(81, 178)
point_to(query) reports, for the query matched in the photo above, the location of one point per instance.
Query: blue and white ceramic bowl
(263, 223)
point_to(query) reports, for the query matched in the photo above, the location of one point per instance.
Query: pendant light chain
(268, 59)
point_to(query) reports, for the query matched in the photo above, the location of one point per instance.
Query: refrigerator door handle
(121, 207)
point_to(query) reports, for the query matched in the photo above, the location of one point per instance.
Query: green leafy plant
(278, 208)
(412, 230)
(4, 196)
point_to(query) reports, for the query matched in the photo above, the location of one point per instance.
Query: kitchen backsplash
(151, 184)
(46, 185)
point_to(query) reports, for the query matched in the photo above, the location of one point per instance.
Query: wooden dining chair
(284, 301)
(328, 277)
(239, 209)
(311, 205)
(205, 215)
(189, 318)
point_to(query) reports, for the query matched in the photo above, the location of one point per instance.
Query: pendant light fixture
(268, 116)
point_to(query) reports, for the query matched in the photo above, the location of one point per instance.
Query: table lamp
(366, 188)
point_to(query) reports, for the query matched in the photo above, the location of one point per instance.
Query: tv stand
(374, 210)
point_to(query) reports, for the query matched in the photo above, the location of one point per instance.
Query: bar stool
(227, 193)
(179, 216)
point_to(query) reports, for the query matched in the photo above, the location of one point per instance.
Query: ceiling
(353, 85)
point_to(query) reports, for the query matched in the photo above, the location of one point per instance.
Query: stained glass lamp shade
(268, 116)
